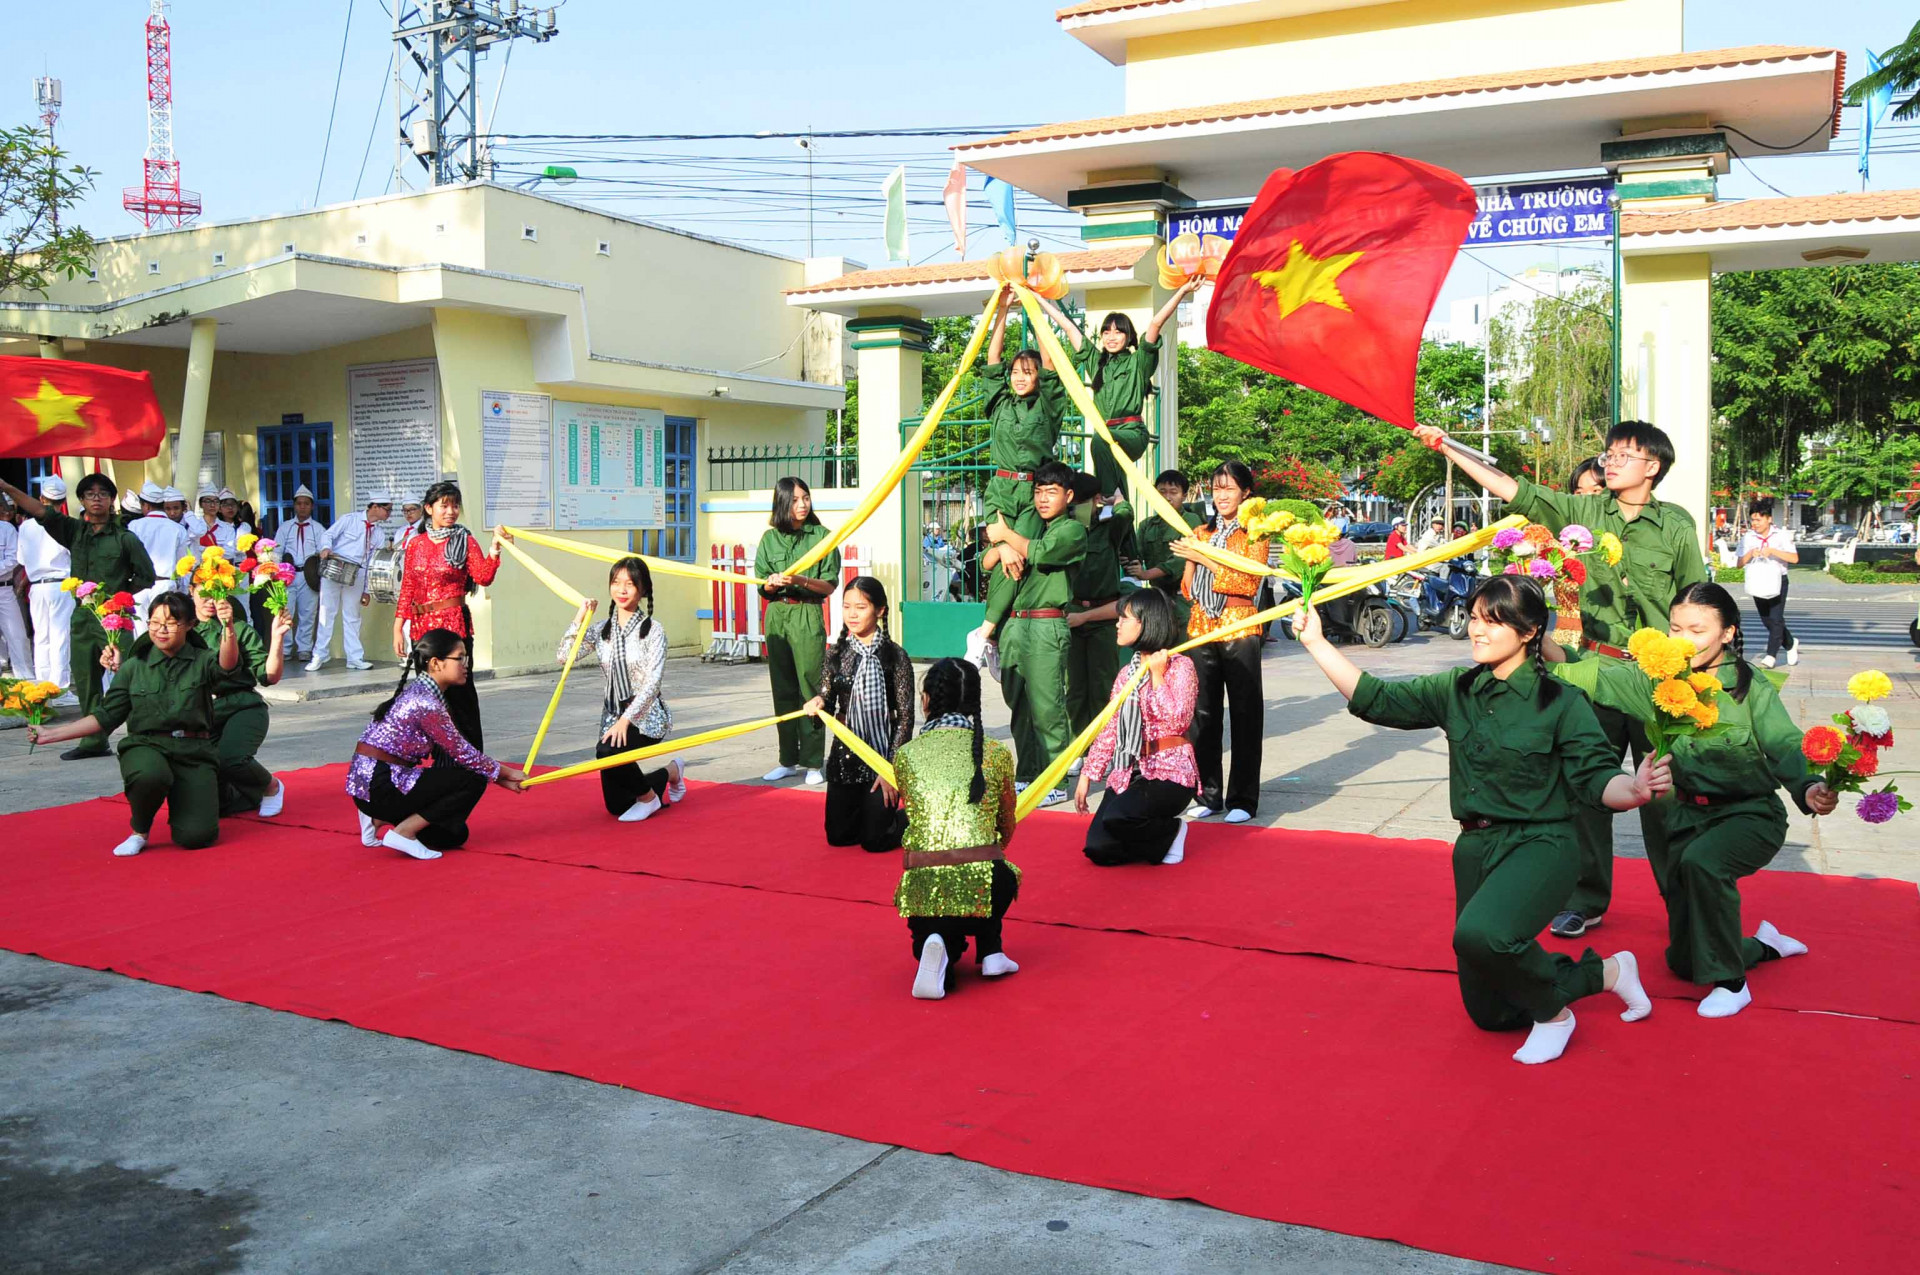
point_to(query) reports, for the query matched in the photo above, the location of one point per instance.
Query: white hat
(379, 498)
(130, 501)
(206, 493)
(152, 493)
(170, 494)
(410, 500)
(226, 493)
(300, 491)
(1397, 521)
(52, 488)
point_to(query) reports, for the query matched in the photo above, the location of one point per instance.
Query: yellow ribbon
(1361, 578)
(909, 453)
(660, 749)
(600, 553)
(553, 705)
(858, 746)
(568, 594)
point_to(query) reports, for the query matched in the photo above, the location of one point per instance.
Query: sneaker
(1239, 816)
(977, 644)
(274, 802)
(131, 846)
(1571, 925)
(641, 810)
(1019, 786)
(407, 846)
(778, 773)
(1079, 764)
(815, 779)
(930, 981)
(314, 666)
(361, 665)
(1765, 661)
(369, 830)
(993, 660)
(1199, 810)
(997, 966)
(1054, 797)
(1793, 652)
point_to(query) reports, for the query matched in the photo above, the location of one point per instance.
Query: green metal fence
(751, 468)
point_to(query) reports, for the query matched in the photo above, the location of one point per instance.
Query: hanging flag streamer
(1000, 196)
(895, 191)
(1871, 112)
(659, 566)
(955, 198)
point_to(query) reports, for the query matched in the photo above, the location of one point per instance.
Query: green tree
(37, 185)
(1863, 471)
(1899, 71)
(1555, 361)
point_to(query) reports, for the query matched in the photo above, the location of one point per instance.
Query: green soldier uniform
(1024, 435)
(1155, 540)
(168, 754)
(1725, 819)
(1093, 657)
(239, 720)
(113, 558)
(1661, 557)
(1034, 641)
(796, 638)
(1120, 384)
(1519, 766)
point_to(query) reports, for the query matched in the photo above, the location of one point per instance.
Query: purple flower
(1878, 807)
(1507, 538)
(1541, 569)
(285, 571)
(1576, 538)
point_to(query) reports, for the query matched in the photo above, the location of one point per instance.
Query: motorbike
(1369, 616)
(1437, 596)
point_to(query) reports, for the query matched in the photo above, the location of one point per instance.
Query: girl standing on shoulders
(413, 769)
(796, 629)
(442, 567)
(1726, 820)
(956, 786)
(239, 714)
(867, 682)
(1144, 754)
(632, 648)
(1523, 754)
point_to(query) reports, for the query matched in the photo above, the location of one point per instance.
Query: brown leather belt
(814, 601)
(1475, 825)
(1045, 613)
(1165, 742)
(953, 858)
(381, 754)
(428, 608)
(1604, 649)
(1018, 475)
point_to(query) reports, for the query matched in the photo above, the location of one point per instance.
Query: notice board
(608, 467)
(393, 426)
(516, 444)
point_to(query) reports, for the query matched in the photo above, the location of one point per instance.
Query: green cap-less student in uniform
(1157, 564)
(1524, 752)
(1661, 556)
(1725, 820)
(1093, 617)
(162, 691)
(796, 629)
(1118, 367)
(239, 714)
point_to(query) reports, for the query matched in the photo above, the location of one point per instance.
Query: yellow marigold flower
(69, 584)
(1869, 686)
(1313, 555)
(1638, 642)
(1325, 534)
(245, 542)
(1284, 519)
(1666, 658)
(1703, 684)
(1611, 549)
(1252, 508)
(1298, 534)
(1704, 715)
(1675, 698)
(214, 552)
(183, 566)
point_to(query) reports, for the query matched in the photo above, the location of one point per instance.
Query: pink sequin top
(1166, 709)
(427, 578)
(417, 727)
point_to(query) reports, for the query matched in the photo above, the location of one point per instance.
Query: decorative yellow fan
(1191, 255)
(1044, 275)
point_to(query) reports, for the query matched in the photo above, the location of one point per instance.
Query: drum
(340, 570)
(383, 575)
(310, 572)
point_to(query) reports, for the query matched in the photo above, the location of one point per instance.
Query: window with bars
(293, 456)
(675, 540)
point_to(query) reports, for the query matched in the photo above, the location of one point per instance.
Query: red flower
(122, 601)
(1821, 744)
(247, 565)
(1868, 765)
(1576, 570)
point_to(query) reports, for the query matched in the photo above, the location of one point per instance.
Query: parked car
(1368, 532)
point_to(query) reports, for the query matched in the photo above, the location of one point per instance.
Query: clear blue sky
(253, 83)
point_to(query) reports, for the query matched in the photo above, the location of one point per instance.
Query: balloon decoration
(1189, 256)
(1044, 274)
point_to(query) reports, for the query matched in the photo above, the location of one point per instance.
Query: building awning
(1544, 120)
(1105, 26)
(1779, 234)
(955, 287)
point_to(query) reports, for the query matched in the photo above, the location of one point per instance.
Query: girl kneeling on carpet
(957, 788)
(1524, 752)
(632, 648)
(866, 682)
(1726, 820)
(239, 714)
(163, 692)
(390, 779)
(1144, 754)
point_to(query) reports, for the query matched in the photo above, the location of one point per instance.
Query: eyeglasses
(165, 626)
(1621, 458)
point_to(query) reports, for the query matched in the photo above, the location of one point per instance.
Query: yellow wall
(1391, 44)
(1665, 347)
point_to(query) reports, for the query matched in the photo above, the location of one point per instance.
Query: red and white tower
(159, 200)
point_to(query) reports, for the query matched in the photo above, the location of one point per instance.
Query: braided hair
(434, 644)
(1720, 601)
(1519, 603)
(641, 578)
(953, 686)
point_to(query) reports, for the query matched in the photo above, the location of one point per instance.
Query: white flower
(1870, 719)
(1525, 549)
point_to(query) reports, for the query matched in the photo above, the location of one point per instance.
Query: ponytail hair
(953, 686)
(636, 571)
(1519, 603)
(1721, 602)
(434, 644)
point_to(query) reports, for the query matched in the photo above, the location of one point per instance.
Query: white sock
(641, 809)
(369, 830)
(392, 840)
(1238, 816)
(815, 779)
(677, 788)
(1778, 941)
(1178, 850)
(998, 964)
(1627, 987)
(1721, 1003)
(131, 846)
(930, 983)
(1546, 1042)
(274, 802)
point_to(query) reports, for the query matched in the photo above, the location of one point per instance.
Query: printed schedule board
(609, 467)
(516, 436)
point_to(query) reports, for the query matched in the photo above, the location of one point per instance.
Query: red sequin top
(426, 578)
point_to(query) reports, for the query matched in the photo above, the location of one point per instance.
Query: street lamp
(552, 172)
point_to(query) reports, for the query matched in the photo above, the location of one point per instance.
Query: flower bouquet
(1536, 552)
(1684, 702)
(268, 576)
(217, 577)
(24, 697)
(114, 611)
(1847, 754)
(1306, 554)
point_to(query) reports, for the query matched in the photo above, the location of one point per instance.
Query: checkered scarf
(867, 700)
(1203, 595)
(949, 721)
(1130, 727)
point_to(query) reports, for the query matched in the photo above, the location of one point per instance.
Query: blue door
(292, 456)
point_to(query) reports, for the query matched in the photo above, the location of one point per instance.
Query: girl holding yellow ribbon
(866, 682)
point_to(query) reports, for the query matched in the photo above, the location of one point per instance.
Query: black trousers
(463, 705)
(1138, 825)
(622, 786)
(1229, 677)
(954, 931)
(444, 795)
(1773, 613)
(859, 816)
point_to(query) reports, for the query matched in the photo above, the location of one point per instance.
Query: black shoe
(81, 754)
(1571, 925)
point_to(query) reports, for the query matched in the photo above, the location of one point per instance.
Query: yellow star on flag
(1306, 279)
(51, 408)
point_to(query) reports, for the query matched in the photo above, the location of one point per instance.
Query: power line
(332, 110)
(379, 111)
(763, 135)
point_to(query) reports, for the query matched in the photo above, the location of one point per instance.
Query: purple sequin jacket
(416, 726)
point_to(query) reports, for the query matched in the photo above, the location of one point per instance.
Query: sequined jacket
(646, 667)
(936, 772)
(426, 577)
(836, 685)
(418, 728)
(1166, 709)
(1225, 581)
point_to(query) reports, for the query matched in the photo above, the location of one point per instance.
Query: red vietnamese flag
(52, 407)
(1334, 272)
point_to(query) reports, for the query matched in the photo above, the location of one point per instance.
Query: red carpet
(1336, 1094)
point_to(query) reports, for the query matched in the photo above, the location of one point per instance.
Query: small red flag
(53, 407)
(1334, 272)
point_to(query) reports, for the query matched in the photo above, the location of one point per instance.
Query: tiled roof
(1757, 214)
(967, 271)
(1626, 68)
(1106, 6)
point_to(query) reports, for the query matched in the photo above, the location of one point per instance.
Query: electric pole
(437, 49)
